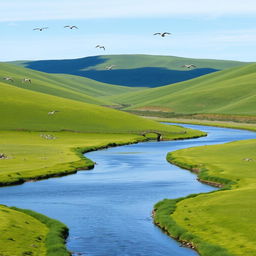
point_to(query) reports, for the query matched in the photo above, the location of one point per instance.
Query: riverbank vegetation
(24, 232)
(38, 155)
(219, 223)
(233, 125)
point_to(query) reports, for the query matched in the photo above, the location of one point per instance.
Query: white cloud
(16, 10)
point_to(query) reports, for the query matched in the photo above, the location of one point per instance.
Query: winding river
(108, 209)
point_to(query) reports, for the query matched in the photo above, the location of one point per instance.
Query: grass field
(219, 223)
(29, 156)
(231, 91)
(24, 109)
(25, 233)
(65, 86)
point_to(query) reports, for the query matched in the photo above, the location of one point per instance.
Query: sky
(213, 29)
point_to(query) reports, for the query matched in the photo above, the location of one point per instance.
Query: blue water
(108, 209)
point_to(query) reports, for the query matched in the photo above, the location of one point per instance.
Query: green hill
(66, 86)
(231, 91)
(25, 109)
(132, 70)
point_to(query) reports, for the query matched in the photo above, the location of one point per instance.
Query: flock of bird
(24, 80)
(110, 67)
(162, 34)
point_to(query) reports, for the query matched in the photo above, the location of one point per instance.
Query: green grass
(33, 157)
(219, 223)
(231, 91)
(227, 124)
(25, 232)
(21, 234)
(29, 156)
(22, 109)
(66, 86)
(55, 238)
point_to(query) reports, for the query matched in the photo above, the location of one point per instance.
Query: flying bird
(8, 79)
(53, 112)
(71, 27)
(100, 47)
(189, 66)
(162, 34)
(40, 29)
(110, 67)
(26, 80)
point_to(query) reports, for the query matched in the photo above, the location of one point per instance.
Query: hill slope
(66, 86)
(24, 109)
(132, 70)
(230, 91)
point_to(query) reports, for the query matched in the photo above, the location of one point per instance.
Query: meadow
(229, 92)
(43, 236)
(219, 223)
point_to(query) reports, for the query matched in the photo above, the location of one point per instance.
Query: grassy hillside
(222, 222)
(25, 109)
(132, 70)
(66, 86)
(230, 91)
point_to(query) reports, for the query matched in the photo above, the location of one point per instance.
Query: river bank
(225, 124)
(25, 151)
(122, 172)
(200, 220)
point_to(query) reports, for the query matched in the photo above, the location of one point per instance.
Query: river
(108, 208)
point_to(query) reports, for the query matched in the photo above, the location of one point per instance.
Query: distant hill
(232, 91)
(132, 70)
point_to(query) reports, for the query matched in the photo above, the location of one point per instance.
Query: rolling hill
(231, 91)
(67, 86)
(132, 70)
(23, 109)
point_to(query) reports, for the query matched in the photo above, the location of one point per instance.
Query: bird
(162, 34)
(71, 27)
(26, 80)
(189, 66)
(53, 112)
(110, 67)
(8, 79)
(40, 29)
(100, 47)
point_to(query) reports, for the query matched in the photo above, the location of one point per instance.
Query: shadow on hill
(68, 66)
(144, 77)
(139, 77)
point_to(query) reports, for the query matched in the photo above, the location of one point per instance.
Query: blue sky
(219, 29)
